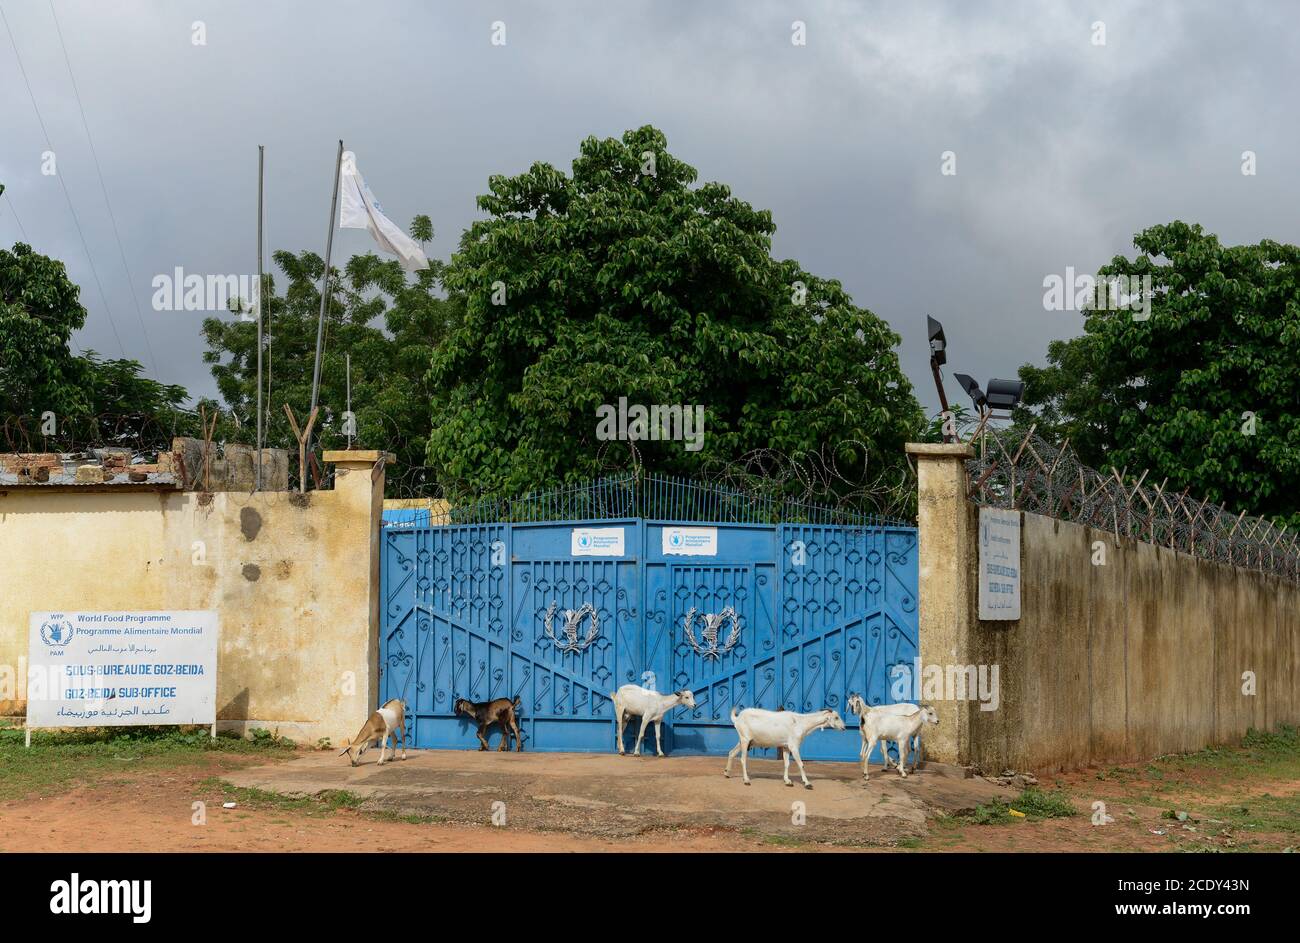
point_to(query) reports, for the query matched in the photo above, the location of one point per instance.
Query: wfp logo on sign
(584, 541)
(56, 634)
(675, 538)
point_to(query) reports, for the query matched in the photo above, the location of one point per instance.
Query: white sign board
(107, 669)
(999, 574)
(597, 542)
(691, 541)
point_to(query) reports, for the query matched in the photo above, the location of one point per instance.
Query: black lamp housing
(1005, 394)
(938, 343)
(972, 390)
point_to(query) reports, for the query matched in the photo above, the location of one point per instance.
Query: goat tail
(733, 714)
(516, 703)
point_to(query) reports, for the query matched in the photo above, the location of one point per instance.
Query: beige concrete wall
(1140, 656)
(294, 578)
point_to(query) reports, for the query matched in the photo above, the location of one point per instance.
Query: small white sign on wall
(110, 669)
(999, 573)
(691, 541)
(597, 542)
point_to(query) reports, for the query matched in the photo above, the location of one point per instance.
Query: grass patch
(783, 840)
(1035, 803)
(1262, 753)
(409, 818)
(1261, 813)
(60, 760)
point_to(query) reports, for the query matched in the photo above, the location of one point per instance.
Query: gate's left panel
(444, 625)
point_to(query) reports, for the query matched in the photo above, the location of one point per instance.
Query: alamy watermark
(637, 423)
(1083, 292)
(177, 291)
(929, 683)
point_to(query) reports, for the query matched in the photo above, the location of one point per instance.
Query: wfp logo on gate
(56, 634)
(675, 538)
(584, 541)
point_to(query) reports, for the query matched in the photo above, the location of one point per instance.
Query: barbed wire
(1020, 470)
(141, 434)
(840, 478)
(765, 484)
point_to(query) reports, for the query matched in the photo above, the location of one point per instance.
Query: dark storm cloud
(1064, 149)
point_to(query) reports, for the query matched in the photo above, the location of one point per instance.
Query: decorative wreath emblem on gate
(572, 622)
(712, 626)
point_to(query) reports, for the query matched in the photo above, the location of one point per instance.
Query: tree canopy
(93, 401)
(390, 327)
(1204, 392)
(621, 279)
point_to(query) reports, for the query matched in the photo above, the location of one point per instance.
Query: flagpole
(260, 163)
(324, 279)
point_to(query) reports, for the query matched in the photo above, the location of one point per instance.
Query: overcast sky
(1064, 148)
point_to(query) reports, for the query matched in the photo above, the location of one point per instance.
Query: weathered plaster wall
(1133, 658)
(295, 580)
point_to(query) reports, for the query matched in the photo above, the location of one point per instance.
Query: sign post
(117, 669)
(999, 574)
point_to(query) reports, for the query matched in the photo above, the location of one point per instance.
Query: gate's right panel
(848, 622)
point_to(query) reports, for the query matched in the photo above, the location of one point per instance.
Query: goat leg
(645, 723)
(793, 748)
(866, 758)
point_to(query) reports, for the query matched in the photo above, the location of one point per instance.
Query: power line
(66, 195)
(144, 331)
(14, 213)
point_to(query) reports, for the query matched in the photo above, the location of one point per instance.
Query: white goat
(859, 707)
(383, 723)
(884, 725)
(651, 706)
(785, 729)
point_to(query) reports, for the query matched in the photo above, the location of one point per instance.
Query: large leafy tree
(1204, 392)
(622, 279)
(39, 310)
(389, 325)
(94, 401)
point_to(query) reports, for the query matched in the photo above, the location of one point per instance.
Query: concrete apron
(609, 795)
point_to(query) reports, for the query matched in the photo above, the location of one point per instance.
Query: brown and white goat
(383, 723)
(502, 711)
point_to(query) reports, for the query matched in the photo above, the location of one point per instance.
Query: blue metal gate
(477, 610)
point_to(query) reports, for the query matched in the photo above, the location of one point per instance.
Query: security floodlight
(972, 390)
(1005, 394)
(938, 343)
(938, 357)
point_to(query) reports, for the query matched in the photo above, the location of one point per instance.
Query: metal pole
(260, 163)
(325, 277)
(348, 358)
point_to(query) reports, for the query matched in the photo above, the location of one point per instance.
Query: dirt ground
(302, 800)
(615, 797)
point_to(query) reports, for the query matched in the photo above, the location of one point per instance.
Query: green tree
(623, 280)
(1204, 392)
(39, 310)
(94, 402)
(388, 324)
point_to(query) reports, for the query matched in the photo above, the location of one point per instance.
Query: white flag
(358, 209)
